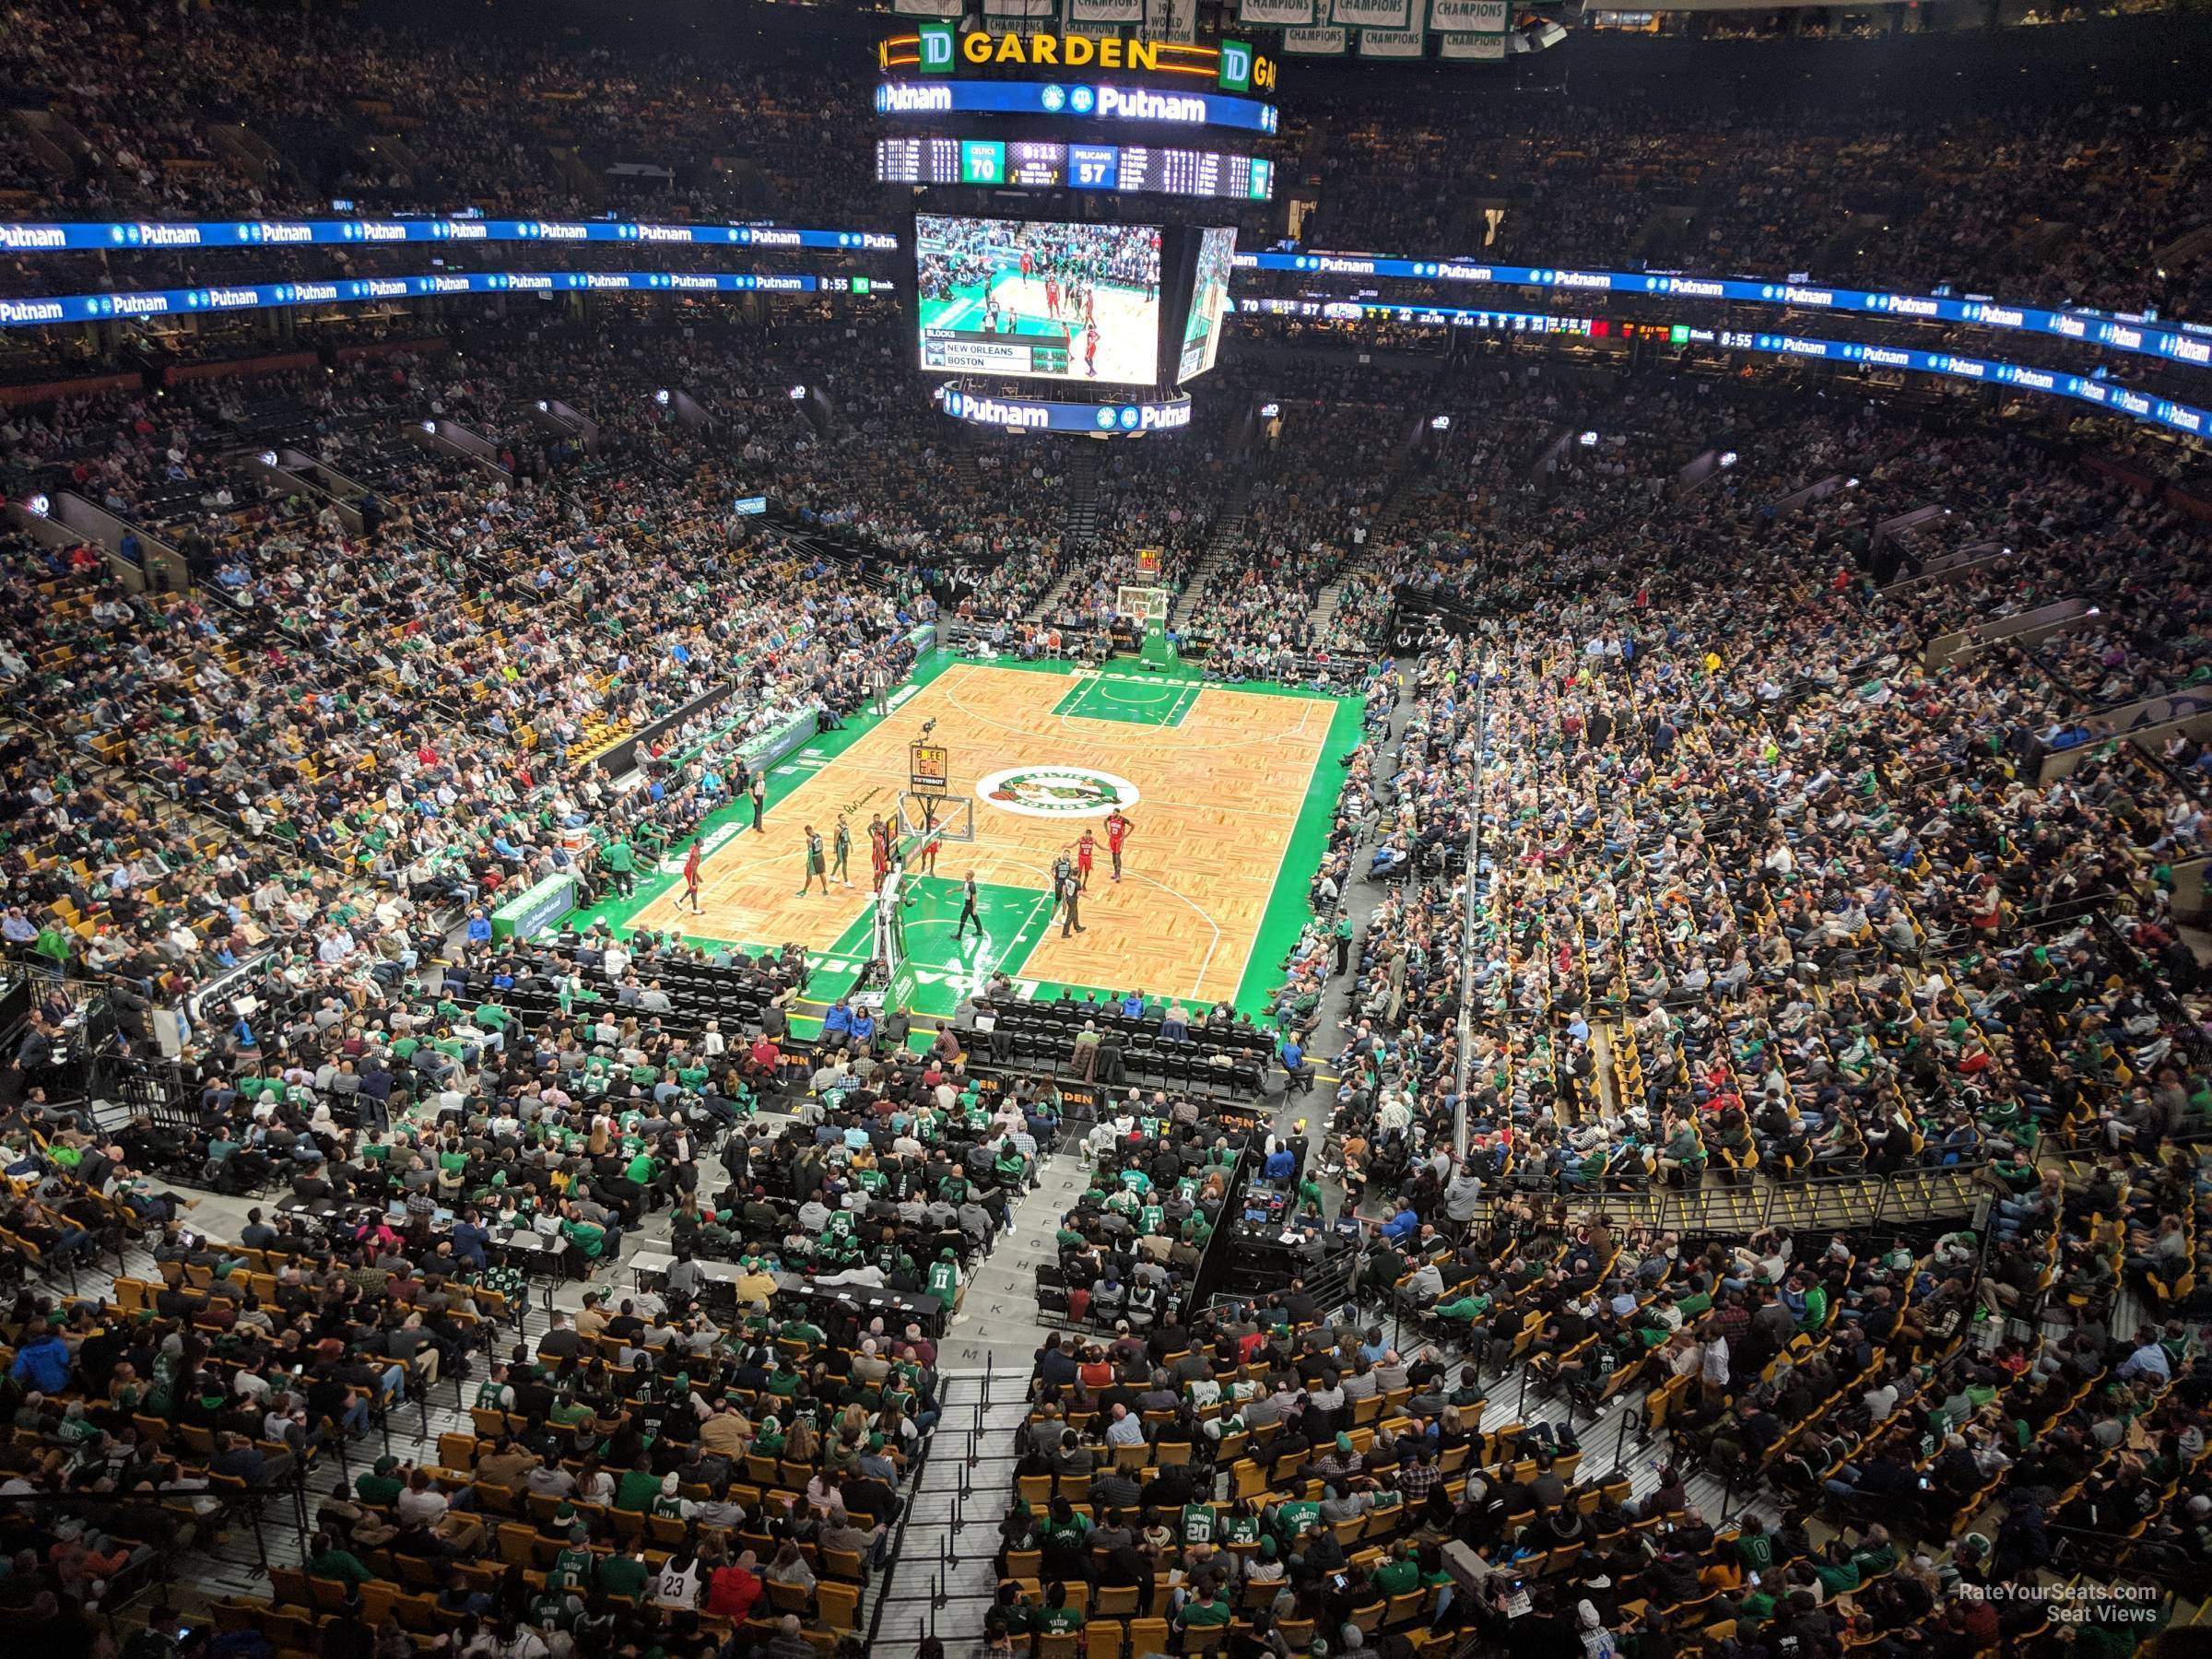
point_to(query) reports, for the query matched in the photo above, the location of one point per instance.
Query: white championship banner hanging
(1478, 48)
(1393, 42)
(1470, 17)
(1371, 14)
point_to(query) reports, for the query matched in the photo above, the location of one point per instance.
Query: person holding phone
(1207, 1607)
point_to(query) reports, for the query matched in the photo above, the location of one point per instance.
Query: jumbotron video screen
(1209, 298)
(1041, 298)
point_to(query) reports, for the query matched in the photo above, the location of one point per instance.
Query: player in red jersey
(1117, 832)
(1052, 297)
(1084, 849)
(691, 876)
(1090, 351)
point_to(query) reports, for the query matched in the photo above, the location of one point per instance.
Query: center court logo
(1056, 792)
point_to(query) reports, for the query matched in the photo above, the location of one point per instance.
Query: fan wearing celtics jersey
(945, 1275)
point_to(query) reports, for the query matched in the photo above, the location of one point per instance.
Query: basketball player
(1084, 849)
(1052, 297)
(879, 850)
(691, 876)
(842, 849)
(968, 910)
(815, 870)
(1090, 350)
(929, 843)
(1117, 831)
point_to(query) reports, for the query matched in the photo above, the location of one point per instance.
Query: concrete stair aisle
(963, 447)
(1083, 469)
(1228, 537)
(942, 1578)
(1325, 603)
(1072, 565)
(996, 1324)
(1079, 529)
(1411, 479)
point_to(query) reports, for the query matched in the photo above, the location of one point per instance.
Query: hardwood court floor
(1221, 775)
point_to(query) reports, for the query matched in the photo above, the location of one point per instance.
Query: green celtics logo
(1056, 792)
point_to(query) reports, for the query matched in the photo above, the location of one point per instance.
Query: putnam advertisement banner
(1393, 42)
(1325, 40)
(1105, 11)
(928, 8)
(1277, 13)
(1471, 48)
(1471, 17)
(1371, 14)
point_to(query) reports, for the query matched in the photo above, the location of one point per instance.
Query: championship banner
(1174, 21)
(1030, 9)
(1371, 14)
(1483, 48)
(1096, 31)
(1323, 41)
(1105, 11)
(1471, 17)
(1393, 42)
(1279, 14)
(928, 8)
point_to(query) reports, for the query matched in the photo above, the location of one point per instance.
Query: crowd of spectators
(411, 693)
(708, 1471)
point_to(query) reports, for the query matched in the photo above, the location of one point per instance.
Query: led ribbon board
(139, 237)
(1038, 415)
(45, 310)
(2178, 342)
(2119, 400)
(1082, 100)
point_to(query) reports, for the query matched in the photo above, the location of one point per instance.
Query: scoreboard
(1194, 172)
(971, 351)
(1048, 164)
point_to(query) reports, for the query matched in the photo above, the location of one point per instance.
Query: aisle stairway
(1079, 529)
(943, 1578)
(961, 446)
(1228, 538)
(1408, 486)
(1083, 469)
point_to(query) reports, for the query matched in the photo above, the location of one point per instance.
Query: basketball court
(1128, 322)
(1229, 791)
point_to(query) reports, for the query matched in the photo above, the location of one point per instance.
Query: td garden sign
(941, 49)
